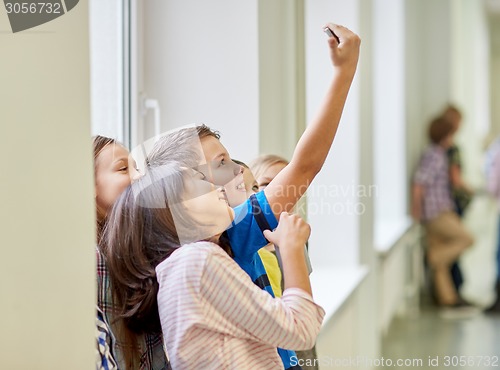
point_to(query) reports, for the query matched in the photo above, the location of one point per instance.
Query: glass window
(107, 68)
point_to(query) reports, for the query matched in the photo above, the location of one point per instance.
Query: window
(389, 119)
(107, 63)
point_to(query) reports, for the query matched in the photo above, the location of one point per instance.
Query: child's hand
(292, 232)
(344, 54)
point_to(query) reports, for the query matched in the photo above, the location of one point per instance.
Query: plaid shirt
(105, 343)
(153, 354)
(433, 174)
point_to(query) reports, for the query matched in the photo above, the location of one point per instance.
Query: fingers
(294, 221)
(343, 34)
(284, 215)
(268, 234)
(287, 217)
(332, 36)
(292, 231)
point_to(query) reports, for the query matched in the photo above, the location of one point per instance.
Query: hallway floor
(428, 338)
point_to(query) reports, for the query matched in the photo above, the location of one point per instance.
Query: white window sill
(333, 286)
(387, 233)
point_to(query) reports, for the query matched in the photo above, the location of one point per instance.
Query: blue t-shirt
(246, 238)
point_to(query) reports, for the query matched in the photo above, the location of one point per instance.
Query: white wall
(333, 204)
(448, 61)
(389, 120)
(415, 115)
(428, 58)
(201, 63)
(47, 269)
(400, 279)
(471, 79)
(470, 76)
(495, 73)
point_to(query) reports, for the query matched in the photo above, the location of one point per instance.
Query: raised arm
(313, 147)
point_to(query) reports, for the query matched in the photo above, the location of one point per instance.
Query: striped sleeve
(239, 308)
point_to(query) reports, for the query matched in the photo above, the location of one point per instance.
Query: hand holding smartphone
(330, 33)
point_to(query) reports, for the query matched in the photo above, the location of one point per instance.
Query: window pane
(106, 68)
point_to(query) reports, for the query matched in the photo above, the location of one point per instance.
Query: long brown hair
(99, 143)
(142, 231)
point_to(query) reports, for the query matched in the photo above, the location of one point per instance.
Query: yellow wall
(47, 267)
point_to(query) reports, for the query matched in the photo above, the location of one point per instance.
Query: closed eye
(200, 174)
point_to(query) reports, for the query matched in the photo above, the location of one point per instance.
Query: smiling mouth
(223, 195)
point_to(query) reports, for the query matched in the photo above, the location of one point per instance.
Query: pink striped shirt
(214, 317)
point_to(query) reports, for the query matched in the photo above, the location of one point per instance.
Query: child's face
(206, 205)
(234, 195)
(114, 171)
(251, 185)
(269, 174)
(220, 170)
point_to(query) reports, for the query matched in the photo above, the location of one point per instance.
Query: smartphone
(330, 33)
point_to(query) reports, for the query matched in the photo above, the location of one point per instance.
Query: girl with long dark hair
(171, 270)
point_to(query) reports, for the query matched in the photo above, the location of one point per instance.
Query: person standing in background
(432, 205)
